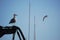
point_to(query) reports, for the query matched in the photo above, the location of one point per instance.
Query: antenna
(34, 29)
(29, 23)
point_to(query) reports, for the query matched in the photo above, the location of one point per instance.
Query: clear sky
(47, 30)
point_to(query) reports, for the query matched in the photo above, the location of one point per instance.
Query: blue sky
(47, 30)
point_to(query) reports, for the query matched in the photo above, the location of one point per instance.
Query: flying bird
(13, 20)
(45, 17)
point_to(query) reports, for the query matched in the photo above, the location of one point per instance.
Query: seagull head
(15, 15)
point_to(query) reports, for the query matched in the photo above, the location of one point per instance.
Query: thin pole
(34, 29)
(29, 23)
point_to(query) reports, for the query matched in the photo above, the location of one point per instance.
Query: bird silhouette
(13, 20)
(45, 17)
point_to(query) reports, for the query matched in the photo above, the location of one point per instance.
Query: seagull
(45, 17)
(13, 20)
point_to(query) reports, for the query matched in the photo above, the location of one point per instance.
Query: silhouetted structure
(45, 17)
(13, 19)
(11, 30)
(34, 29)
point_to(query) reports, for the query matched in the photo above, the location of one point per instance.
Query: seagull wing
(12, 21)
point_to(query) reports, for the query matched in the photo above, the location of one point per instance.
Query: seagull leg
(13, 24)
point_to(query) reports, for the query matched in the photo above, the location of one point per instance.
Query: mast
(29, 23)
(34, 29)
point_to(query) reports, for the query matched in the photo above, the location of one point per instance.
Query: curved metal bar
(11, 30)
